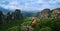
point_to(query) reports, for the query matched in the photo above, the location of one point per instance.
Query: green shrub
(45, 29)
(55, 24)
(43, 23)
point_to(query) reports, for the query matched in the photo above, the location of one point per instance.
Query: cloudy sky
(29, 4)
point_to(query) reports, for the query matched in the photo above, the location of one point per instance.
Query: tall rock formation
(1, 16)
(13, 16)
(18, 14)
(44, 13)
(2, 19)
(8, 17)
(55, 13)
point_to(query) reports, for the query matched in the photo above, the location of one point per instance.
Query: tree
(55, 24)
(45, 29)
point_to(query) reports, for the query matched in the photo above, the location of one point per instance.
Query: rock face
(12, 15)
(8, 17)
(55, 13)
(44, 13)
(17, 14)
(1, 17)
(26, 28)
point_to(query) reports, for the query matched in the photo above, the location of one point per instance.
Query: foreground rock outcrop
(26, 28)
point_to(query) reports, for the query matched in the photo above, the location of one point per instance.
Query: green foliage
(15, 28)
(27, 21)
(13, 25)
(41, 25)
(55, 24)
(45, 29)
(43, 22)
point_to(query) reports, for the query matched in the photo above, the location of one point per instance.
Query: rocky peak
(56, 13)
(44, 13)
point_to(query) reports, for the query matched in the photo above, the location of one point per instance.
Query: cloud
(29, 4)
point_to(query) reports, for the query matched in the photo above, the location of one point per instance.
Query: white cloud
(31, 4)
(13, 3)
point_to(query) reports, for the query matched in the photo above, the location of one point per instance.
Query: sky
(29, 4)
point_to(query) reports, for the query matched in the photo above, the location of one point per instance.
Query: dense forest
(46, 20)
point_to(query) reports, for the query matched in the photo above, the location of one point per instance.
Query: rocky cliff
(46, 13)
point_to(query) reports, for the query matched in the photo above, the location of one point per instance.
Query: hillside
(46, 20)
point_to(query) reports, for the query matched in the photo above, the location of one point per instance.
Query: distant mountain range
(22, 11)
(4, 10)
(7, 10)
